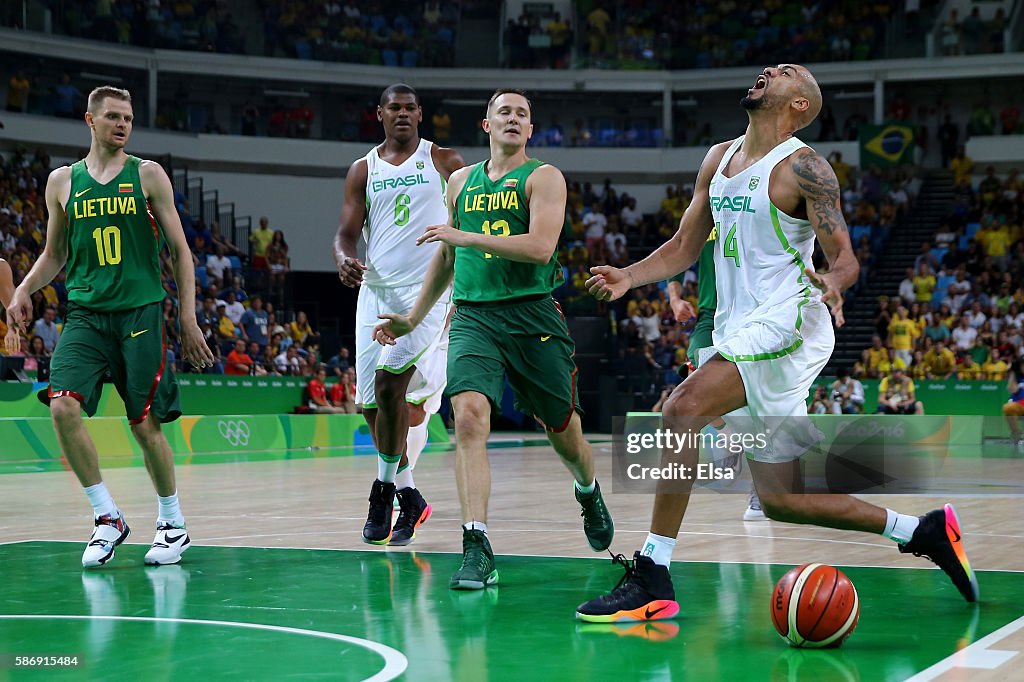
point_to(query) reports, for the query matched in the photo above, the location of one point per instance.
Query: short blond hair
(97, 96)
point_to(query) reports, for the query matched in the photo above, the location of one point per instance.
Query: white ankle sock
(168, 509)
(403, 479)
(586, 489)
(101, 501)
(415, 442)
(659, 548)
(900, 527)
(476, 525)
(387, 467)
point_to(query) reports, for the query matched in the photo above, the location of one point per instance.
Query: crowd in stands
(248, 332)
(705, 34)
(621, 34)
(972, 34)
(959, 311)
(406, 34)
(202, 25)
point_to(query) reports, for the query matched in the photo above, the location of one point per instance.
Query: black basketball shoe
(938, 538)
(645, 592)
(414, 512)
(377, 530)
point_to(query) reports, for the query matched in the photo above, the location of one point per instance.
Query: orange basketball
(815, 606)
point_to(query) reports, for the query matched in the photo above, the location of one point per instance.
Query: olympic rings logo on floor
(234, 432)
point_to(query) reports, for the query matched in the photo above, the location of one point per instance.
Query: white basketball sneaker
(106, 536)
(754, 511)
(168, 545)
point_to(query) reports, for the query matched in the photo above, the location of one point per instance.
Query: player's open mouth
(761, 82)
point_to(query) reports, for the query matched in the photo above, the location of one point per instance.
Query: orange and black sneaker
(414, 511)
(645, 592)
(939, 538)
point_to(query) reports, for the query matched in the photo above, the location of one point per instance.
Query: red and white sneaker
(168, 545)
(106, 536)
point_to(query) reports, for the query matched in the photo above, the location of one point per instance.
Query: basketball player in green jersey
(506, 215)
(700, 338)
(109, 215)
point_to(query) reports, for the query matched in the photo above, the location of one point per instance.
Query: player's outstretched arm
(350, 226)
(675, 255)
(160, 195)
(55, 253)
(820, 190)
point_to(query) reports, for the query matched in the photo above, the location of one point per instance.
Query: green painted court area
(248, 613)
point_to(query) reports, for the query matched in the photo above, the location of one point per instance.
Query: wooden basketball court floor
(278, 584)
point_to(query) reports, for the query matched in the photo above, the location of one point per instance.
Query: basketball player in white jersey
(769, 195)
(391, 195)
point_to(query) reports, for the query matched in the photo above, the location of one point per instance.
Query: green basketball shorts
(131, 346)
(700, 335)
(527, 340)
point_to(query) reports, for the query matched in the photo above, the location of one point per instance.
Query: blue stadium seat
(409, 59)
(972, 229)
(303, 49)
(858, 231)
(389, 58)
(939, 253)
(236, 264)
(964, 242)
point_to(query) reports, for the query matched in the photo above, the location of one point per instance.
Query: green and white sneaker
(477, 570)
(597, 521)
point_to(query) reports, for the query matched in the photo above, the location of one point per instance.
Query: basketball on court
(815, 606)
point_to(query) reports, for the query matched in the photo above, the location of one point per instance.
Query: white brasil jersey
(760, 255)
(400, 202)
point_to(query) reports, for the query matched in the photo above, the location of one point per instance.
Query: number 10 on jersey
(729, 249)
(108, 244)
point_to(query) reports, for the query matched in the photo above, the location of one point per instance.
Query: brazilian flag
(886, 145)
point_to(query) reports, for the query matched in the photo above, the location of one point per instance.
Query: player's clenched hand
(608, 283)
(391, 328)
(193, 347)
(12, 342)
(19, 312)
(683, 311)
(350, 271)
(831, 294)
(443, 233)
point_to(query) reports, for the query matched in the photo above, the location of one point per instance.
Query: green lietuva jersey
(707, 295)
(113, 242)
(498, 207)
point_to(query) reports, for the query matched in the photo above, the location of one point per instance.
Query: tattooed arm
(819, 191)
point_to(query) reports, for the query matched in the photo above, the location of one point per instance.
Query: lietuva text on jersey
(490, 202)
(103, 206)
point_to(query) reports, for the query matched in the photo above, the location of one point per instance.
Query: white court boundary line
(975, 656)
(395, 662)
(596, 557)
